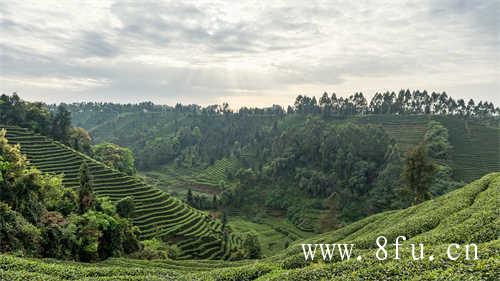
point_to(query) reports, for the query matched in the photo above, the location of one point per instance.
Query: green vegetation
(38, 217)
(17, 269)
(292, 160)
(418, 174)
(53, 122)
(209, 179)
(125, 207)
(274, 234)
(466, 215)
(475, 149)
(474, 143)
(252, 184)
(156, 213)
(116, 157)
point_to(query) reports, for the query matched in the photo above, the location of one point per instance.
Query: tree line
(404, 102)
(53, 122)
(56, 123)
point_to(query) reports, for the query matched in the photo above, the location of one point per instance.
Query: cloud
(94, 44)
(205, 51)
(211, 27)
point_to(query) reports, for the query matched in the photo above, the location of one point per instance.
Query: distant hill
(475, 143)
(157, 214)
(466, 215)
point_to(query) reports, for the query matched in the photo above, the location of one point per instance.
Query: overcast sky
(247, 52)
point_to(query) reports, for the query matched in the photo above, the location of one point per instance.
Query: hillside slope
(467, 215)
(157, 214)
(475, 146)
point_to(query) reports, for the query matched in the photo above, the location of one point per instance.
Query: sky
(253, 53)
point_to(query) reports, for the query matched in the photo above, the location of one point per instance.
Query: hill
(157, 214)
(470, 139)
(466, 215)
(292, 162)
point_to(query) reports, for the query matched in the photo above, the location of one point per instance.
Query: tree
(20, 186)
(325, 104)
(17, 234)
(436, 141)
(115, 156)
(196, 134)
(252, 246)
(385, 194)
(125, 207)
(85, 194)
(214, 202)
(461, 107)
(80, 140)
(418, 173)
(61, 124)
(189, 197)
(470, 108)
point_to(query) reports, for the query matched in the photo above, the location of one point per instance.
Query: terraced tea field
(157, 214)
(19, 269)
(475, 146)
(406, 130)
(274, 234)
(179, 180)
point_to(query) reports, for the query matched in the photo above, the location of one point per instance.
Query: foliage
(125, 207)
(436, 140)
(156, 213)
(50, 121)
(466, 215)
(387, 192)
(418, 173)
(252, 246)
(279, 157)
(80, 140)
(280, 160)
(20, 187)
(37, 214)
(61, 124)
(85, 192)
(17, 234)
(13, 110)
(115, 156)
